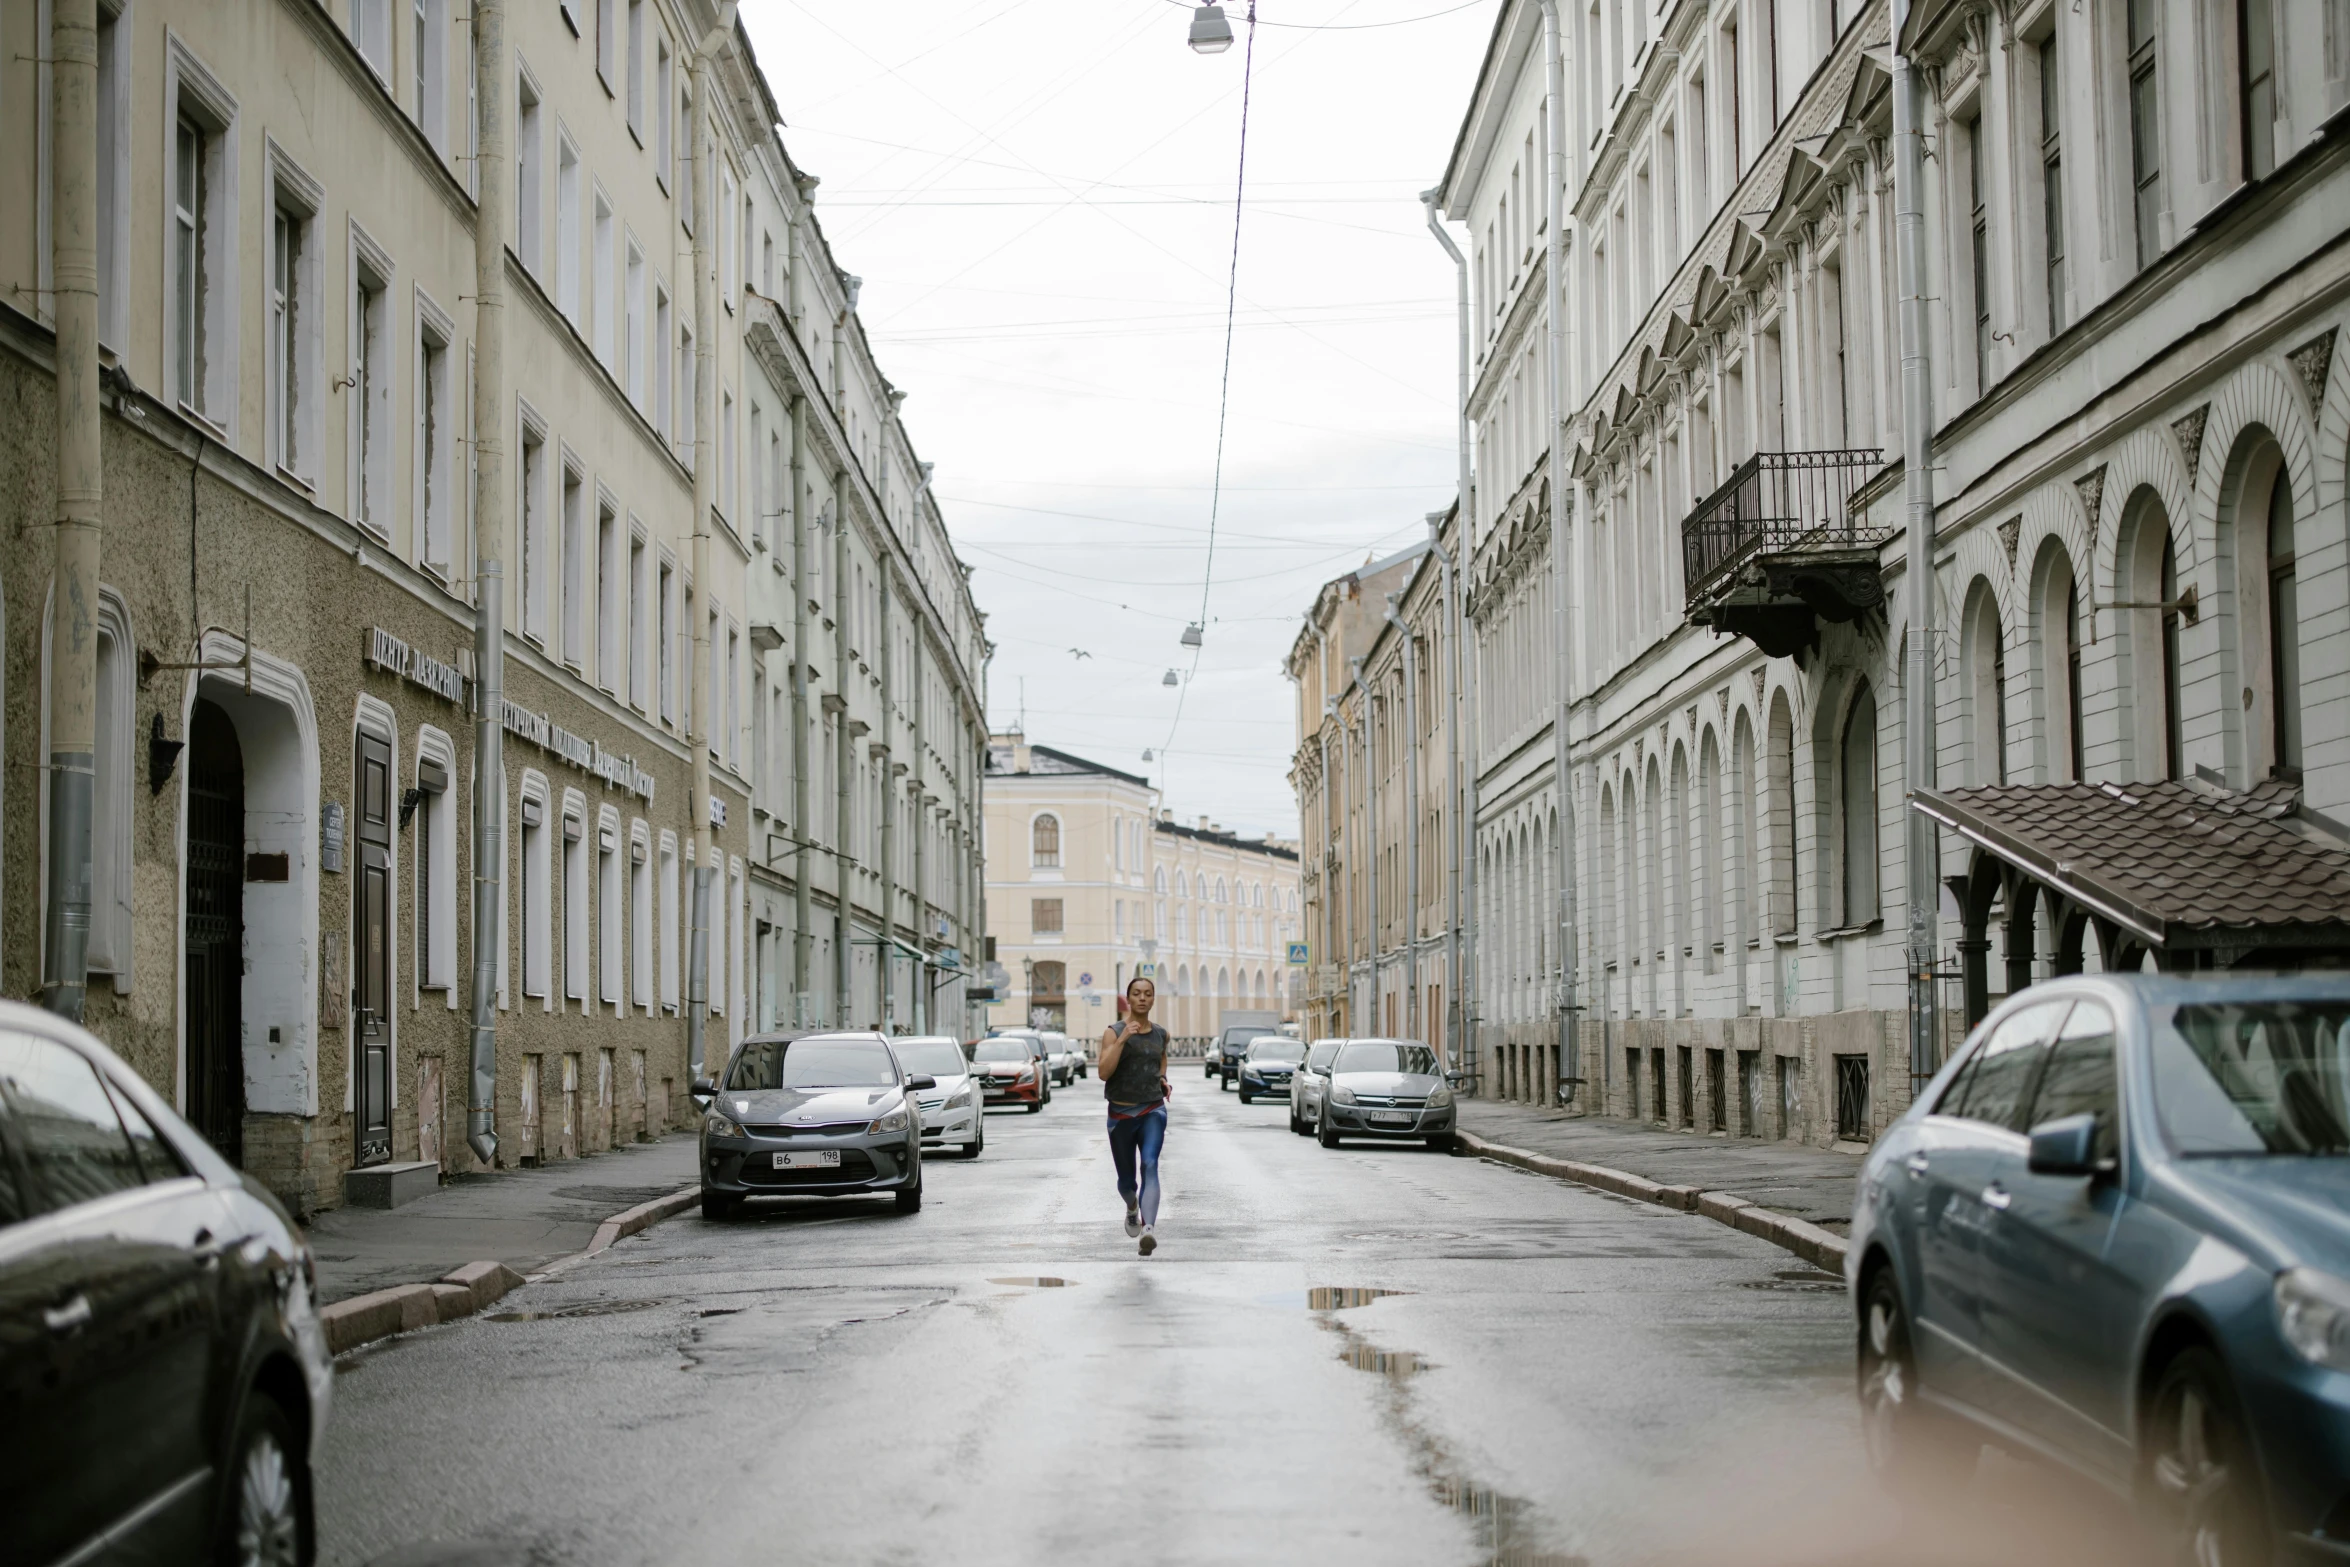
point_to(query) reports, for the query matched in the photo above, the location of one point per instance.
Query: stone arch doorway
(216, 930)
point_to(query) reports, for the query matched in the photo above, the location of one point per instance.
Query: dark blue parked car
(2115, 1232)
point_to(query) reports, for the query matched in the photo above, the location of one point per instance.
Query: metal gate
(371, 955)
(1852, 1098)
(216, 930)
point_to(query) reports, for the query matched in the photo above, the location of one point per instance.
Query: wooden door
(215, 931)
(371, 955)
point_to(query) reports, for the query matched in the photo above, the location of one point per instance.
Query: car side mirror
(917, 1084)
(2065, 1146)
(703, 1091)
(1456, 1078)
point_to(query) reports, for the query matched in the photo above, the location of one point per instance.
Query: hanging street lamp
(1210, 33)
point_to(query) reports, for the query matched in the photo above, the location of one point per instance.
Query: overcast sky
(1038, 195)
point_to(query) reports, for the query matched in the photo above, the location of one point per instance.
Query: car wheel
(2201, 1472)
(1909, 1449)
(1442, 1143)
(1325, 1133)
(1035, 1105)
(720, 1205)
(266, 1522)
(910, 1198)
(1247, 1098)
(978, 1143)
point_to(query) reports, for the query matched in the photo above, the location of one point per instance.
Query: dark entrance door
(371, 954)
(216, 930)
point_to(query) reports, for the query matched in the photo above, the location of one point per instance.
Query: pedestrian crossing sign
(1297, 954)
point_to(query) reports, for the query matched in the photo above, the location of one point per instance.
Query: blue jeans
(1141, 1136)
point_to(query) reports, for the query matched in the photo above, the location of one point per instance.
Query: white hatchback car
(952, 1115)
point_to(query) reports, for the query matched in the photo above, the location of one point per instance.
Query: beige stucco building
(1091, 882)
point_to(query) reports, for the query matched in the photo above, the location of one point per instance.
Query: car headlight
(895, 1121)
(1439, 1098)
(1341, 1095)
(2313, 1312)
(716, 1123)
(959, 1098)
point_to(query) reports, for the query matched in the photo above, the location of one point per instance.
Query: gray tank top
(1140, 1066)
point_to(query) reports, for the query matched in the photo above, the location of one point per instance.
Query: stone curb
(406, 1307)
(1821, 1248)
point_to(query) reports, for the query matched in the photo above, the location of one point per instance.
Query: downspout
(1370, 838)
(489, 570)
(843, 862)
(1449, 659)
(1411, 821)
(1463, 839)
(886, 955)
(1921, 848)
(1322, 865)
(922, 926)
(1346, 762)
(707, 865)
(80, 479)
(1569, 1068)
(803, 904)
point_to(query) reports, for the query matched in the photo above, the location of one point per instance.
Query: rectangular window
(726, 459)
(638, 693)
(608, 596)
(567, 229)
(575, 909)
(1733, 107)
(636, 69)
(664, 366)
(1979, 255)
(668, 922)
(197, 262)
(608, 45)
(756, 501)
(536, 890)
(2256, 53)
(682, 180)
(435, 856)
(767, 265)
(2145, 131)
(610, 916)
(717, 938)
(728, 273)
(684, 423)
(533, 511)
(113, 173)
(574, 567)
(1700, 173)
(529, 200)
(632, 328)
(371, 396)
(1044, 916)
(289, 390)
(640, 919)
(2052, 181)
(734, 696)
(666, 153)
(686, 694)
(604, 284)
(371, 30)
(435, 479)
(430, 54)
(666, 642)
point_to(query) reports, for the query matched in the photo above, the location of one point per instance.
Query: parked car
(1064, 1057)
(1011, 1071)
(164, 1380)
(812, 1115)
(1390, 1088)
(951, 1112)
(1225, 1054)
(1308, 1083)
(2114, 1232)
(1266, 1069)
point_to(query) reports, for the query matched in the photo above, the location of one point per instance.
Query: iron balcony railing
(1776, 503)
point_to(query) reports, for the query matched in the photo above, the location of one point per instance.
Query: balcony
(1776, 550)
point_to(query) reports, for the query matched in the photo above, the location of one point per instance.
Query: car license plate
(809, 1159)
(1391, 1118)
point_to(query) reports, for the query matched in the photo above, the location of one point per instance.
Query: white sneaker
(1150, 1242)
(1133, 1222)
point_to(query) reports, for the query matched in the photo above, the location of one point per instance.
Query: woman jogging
(1134, 1080)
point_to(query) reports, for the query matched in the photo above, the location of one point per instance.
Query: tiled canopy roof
(2177, 864)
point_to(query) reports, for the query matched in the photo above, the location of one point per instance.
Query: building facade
(1093, 883)
(2139, 430)
(290, 328)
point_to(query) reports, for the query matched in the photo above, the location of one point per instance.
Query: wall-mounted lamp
(162, 756)
(410, 799)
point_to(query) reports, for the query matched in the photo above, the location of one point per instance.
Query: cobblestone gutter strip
(1814, 1245)
(365, 1318)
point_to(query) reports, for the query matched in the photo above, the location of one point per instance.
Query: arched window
(1785, 902)
(1044, 842)
(1983, 656)
(2284, 621)
(2059, 658)
(1182, 885)
(1859, 757)
(1221, 896)
(2256, 540)
(2173, 727)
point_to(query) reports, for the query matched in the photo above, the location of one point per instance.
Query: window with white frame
(604, 284)
(109, 941)
(576, 897)
(632, 331)
(668, 935)
(113, 171)
(608, 45)
(757, 500)
(681, 181)
(567, 235)
(433, 855)
(683, 428)
(686, 694)
(665, 640)
(611, 915)
(534, 888)
(370, 389)
(640, 916)
(726, 459)
(636, 69)
(529, 157)
(728, 272)
(664, 365)
(575, 564)
(533, 511)
(609, 594)
(734, 704)
(715, 950)
(665, 155)
(434, 481)
(371, 31)
(429, 55)
(639, 584)
(202, 297)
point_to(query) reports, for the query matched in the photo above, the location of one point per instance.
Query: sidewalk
(1812, 1184)
(522, 1218)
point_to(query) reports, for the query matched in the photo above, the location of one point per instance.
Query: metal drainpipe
(1322, 865)
(1449, 659)
(803, 904)
(1554, 312)
(709, 864)
(1464, 835)
(489, 570)
(80, 479)
(1346, 908)
(922, 937)
(1370, 838)
(1922, 850)
(843, 862)
(1411, 820)
(886, 955)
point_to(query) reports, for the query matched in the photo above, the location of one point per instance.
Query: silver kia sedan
(812, 1115)
(1387, 1088)
(952, 1115)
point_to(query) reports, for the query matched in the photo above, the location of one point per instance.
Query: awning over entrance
(2197, 875)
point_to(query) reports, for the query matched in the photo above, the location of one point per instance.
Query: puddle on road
(1042, 1283)
(1507, 1529)
(1799, 1281)
(594, 1308)
(1327, 1298)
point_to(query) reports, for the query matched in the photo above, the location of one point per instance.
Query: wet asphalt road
(1561, 1375)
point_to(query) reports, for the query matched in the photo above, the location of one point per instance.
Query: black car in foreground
(163, 1377)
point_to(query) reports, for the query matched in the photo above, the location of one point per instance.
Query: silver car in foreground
(952, 1115)
(1389, 1088)
(812, 1115)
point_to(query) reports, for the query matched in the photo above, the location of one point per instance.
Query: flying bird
(1078, 652)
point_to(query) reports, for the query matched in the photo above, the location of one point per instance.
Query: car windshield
(1385, 1055)
(1002, 1047)
(1277, 1050)
(2255, 1077)
(932, 1058)
(814, 1063)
